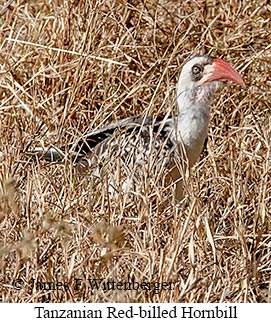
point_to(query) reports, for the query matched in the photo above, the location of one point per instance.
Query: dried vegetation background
(68, 67)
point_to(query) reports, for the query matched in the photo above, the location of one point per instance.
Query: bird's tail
(52, 154)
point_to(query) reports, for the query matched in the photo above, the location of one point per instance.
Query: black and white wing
(98, 141)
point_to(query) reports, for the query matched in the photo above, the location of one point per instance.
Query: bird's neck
(192, 122)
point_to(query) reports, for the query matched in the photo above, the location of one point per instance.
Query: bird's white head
(201, 77)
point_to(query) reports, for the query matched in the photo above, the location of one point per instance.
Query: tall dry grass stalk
(69, 67)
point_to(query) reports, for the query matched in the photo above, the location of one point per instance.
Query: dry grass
(68, 67)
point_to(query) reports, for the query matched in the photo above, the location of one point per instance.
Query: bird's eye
(196, 69)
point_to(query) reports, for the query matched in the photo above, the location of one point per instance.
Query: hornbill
(162, 148)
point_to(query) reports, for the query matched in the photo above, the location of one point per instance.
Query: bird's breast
(193, 129)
